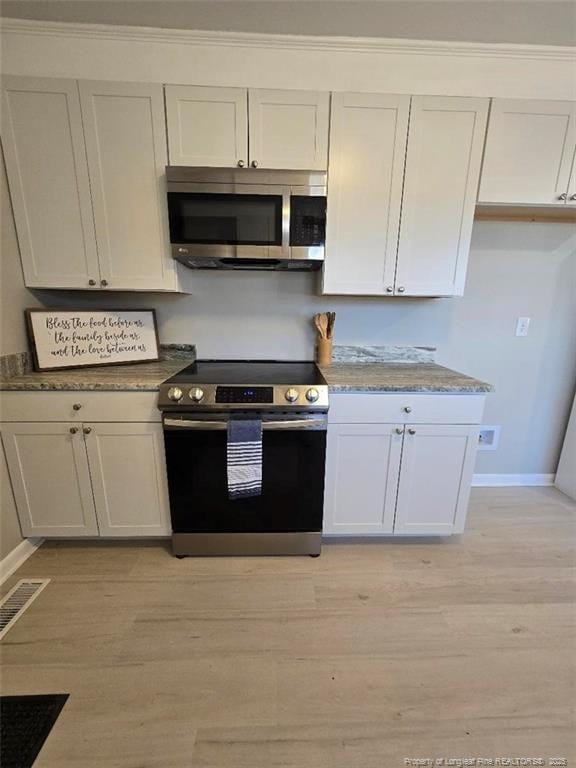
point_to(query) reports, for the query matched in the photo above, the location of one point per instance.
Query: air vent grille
(18, 600)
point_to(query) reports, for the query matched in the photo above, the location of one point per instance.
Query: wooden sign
(66, 338)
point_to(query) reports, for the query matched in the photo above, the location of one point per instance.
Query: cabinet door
(207, 126)
(49, 473)
(128, 471)
(126, 146)
(529, 151)
(362, 465)
(435, 479)
(445, 142)
(48, 177)
(367, 151)
(288, 129)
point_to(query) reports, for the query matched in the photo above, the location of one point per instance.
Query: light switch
(522, 326)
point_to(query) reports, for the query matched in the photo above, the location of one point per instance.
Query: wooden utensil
(331, 321)
(321, 322)
(325, 325)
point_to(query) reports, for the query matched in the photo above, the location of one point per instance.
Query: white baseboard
(487, 481)
(17, 557)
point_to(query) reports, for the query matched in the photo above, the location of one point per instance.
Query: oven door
(227, 221)
(293, 456)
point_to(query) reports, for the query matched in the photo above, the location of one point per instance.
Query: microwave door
(229, 220)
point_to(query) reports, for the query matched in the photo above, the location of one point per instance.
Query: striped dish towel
(244, 454)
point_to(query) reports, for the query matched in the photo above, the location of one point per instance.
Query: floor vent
(20, 597)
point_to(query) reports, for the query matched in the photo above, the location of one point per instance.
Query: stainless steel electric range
(291, 400)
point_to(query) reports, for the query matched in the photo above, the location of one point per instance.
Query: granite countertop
(399, 377)
(142, 377)
(356, 369)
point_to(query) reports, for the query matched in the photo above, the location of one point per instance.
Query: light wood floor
(368, 655)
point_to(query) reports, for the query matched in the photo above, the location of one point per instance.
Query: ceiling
(547, 22)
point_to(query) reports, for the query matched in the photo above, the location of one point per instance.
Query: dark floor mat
(25, 722)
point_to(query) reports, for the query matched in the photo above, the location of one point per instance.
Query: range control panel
(285, 396)
(262, 395)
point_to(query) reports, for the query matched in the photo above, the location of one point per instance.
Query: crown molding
(289, 42)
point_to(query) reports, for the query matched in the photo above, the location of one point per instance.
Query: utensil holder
(324, 351)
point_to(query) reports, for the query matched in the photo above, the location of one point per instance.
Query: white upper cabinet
(226, 127)
(401, 196)
(207, 126)
(367, 151)
(126, 148)
(86, 168)
(288, 129)
(445, 143)
(47, 173)
(529, 152)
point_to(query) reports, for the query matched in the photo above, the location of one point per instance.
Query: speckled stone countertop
(399, 377)
(142, 377)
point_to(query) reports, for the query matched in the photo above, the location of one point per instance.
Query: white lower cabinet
(362, 466)
(74, 479)
(127, 466)
(435, 478)
(401, 479)
(50, 478)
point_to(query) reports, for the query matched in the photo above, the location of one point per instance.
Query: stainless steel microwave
(247, 218)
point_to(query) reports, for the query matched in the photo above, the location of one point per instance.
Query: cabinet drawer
(383, 408)
(94, 406)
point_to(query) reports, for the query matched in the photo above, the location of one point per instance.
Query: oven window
(213, 218)
(292, 483)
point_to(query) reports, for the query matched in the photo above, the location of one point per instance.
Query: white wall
(491, 21)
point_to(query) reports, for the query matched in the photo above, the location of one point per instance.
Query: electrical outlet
(488, 438)
(522, 326)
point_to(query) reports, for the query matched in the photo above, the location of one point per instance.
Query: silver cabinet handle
(411, 431)
(73, 430)
(401, 289)
(77, 406)
(573, 197)
(563, 196)
(266, 425)
(240, 163)
(103, 283)
(91, 282)
(87, 430)
(399, 431)
(389, 289)
(407, 409)
(254, 164)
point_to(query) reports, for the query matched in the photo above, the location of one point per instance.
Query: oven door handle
(266, 425)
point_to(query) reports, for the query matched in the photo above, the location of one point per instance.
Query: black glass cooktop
(233, 372)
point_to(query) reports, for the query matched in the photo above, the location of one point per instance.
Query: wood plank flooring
(368, 655)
